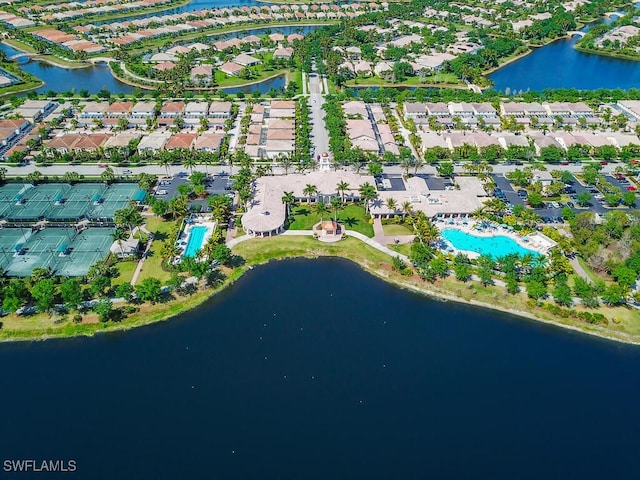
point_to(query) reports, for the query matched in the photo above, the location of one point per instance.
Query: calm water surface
(315, 370)
(560, 65)
(98, 77)
(59, 79)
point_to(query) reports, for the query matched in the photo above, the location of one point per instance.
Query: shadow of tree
(215, 278)
(349, 221)
(160, 236)
(236, 261)
(302, 211)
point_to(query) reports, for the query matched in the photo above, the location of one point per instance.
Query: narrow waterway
(97, 77)
(59, 79)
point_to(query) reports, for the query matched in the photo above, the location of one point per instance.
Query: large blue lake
(316, 370)
(559, 65)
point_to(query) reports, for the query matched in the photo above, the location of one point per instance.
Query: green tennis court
(63, 250)
(60, 202)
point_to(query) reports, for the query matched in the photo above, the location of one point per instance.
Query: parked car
(571, 205)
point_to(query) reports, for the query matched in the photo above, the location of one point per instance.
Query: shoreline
(132, 83)
(606, 54)
(156, 313)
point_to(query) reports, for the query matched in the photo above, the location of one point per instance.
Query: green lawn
(354, 217)
(153, 264)
(395, 229)
(262, 250)
(438, 78)
(125, 272)
(403, 248)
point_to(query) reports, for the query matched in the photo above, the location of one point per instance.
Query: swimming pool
(196, 237)
(496, 247)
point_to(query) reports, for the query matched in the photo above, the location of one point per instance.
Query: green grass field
(352, 216)
(395, 229)
(153, 264)
(125, 272)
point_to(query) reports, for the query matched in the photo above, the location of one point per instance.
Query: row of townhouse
(72, 42)
(368, 129)
(69, 11)
(561, 140)
(166, 114)
(207, 141)
(271, 130)
(416, 110)
(11, 132)
(447, 114)
(14, 21)
(126, 32)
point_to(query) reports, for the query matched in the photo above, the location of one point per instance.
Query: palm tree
(392, 204)
(310, 191)
(286, 162)
(406, 164)
(288, 199)
(342, 187)
(367, 193)
(129, 217)
(407, 207)
(169, 251)
(189, 161)
(118, 236)
(321, 209)
(336, 204)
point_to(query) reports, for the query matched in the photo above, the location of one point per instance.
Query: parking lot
(509, 193)
(551, 212)
(215, 185)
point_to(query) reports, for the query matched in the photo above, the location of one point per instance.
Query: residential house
(194, 111)
(282, 109)
(231, 68)
(283, 53)
(34, 110)
(181, 141)
(153, 142)
(202, 74)
(246, 60)
(208, 142)
(170, 111)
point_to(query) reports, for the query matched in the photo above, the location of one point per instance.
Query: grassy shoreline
(603, 53)
(262, 251)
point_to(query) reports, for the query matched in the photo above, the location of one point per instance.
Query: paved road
(319, 134)
(320, 138)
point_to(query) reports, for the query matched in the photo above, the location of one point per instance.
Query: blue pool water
(496, 247)
(196, 237)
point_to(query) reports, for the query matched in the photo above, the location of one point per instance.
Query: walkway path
(404, 132)
(372, 243)
(378, 231)
(578, 269)
(369, 241)
(134, 279)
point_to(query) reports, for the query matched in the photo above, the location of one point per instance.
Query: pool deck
(183, 239)
(535, 242)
